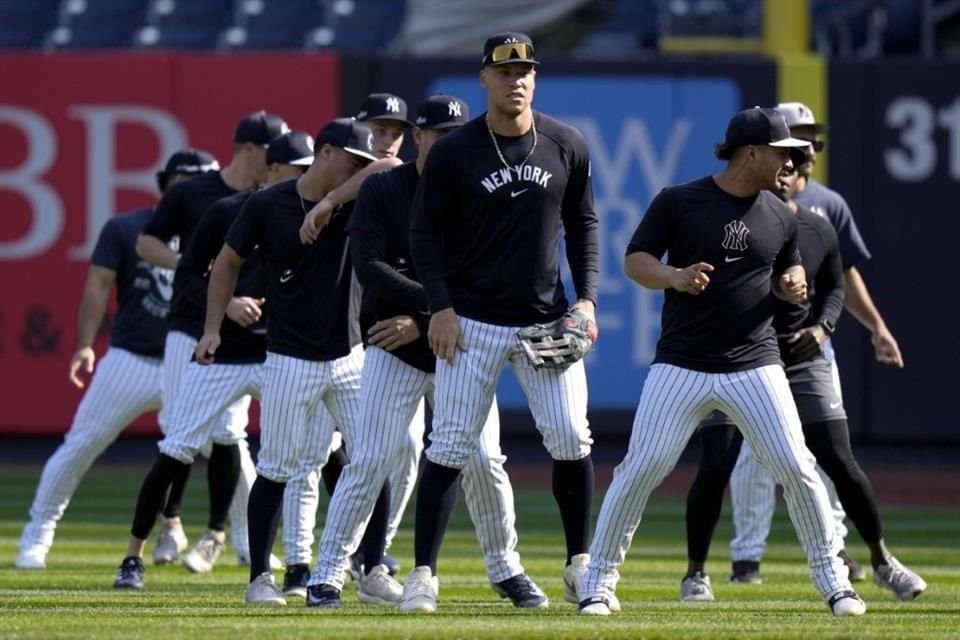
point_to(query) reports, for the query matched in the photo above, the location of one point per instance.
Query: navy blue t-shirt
(238, 345)
(143, 290)
(749, 241)
(831, 205)
(308, 286)
(177, 214)
(380, 246)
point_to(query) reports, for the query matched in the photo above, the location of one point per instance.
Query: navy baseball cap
(508, 47)
(757, 127)
(294, 148)
(442, 112)
(260, 127)
(383, 106)
(348, 134)
(187, 162)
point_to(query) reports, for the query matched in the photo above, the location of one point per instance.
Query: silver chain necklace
(300, 195)
(500, 153)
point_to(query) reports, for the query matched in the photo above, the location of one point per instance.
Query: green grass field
(74, 598)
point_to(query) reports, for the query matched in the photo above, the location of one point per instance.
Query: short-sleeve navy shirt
(308, 286)
(143, 290)
(748, 241)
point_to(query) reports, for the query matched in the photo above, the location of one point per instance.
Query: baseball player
(486, 222)
(398, 374)
(205, 392)
(802, 332)
(309, 356)
(386, 115)
(177, 214)
(752, 488)
(127, 381)
(729, 244)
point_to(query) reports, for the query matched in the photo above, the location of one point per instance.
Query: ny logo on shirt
(735, 236)
(393, 105)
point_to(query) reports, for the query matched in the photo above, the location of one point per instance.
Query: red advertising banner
(82, 137)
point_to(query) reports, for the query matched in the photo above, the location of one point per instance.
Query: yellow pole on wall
(801, 74)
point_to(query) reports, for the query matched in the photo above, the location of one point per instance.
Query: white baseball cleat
(572, 578)
(904, 583)
(420, 591)
(203, 556)
(846, 603)
(263, 591)
(696, 588)
(171, 542)
(32, 558)
(596, 606)
(379, 587)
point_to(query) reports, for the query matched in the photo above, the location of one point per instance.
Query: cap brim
(443, 125)
(405, 123)
(305, 161)
(790, 142)
(362, 154)
(511, 61)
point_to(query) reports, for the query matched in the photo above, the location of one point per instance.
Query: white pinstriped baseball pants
(231, 426)
(293, 436)
(124, 386)
(752, 492)
(465, 392)
(391, 406)
(673, 402)
(297, 434)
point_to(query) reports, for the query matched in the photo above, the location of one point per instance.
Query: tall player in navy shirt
(494, 200)
(729, 243)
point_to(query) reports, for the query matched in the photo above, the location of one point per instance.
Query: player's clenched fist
(693, 279)
(245, 311)
(207, 348)
(793, 285)
(82, 360)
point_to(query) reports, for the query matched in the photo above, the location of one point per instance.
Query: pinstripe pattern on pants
(292, 438)
(465, 392)
(177, 353)
(391, 400)
(206, 391)
(327, 395)
(752, 492)
(672, 403)
(124, 386)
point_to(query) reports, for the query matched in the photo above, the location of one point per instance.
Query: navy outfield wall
(895, 140)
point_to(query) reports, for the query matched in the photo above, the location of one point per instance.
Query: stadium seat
(23, 25)
(98, 24)
(177, 37)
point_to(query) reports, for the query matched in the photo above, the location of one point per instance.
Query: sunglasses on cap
(511, 52)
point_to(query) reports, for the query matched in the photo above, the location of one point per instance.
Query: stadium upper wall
(83, 134)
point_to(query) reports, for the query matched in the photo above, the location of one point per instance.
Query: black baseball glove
(558, 344)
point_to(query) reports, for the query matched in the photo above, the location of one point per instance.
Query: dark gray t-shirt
(831, 205)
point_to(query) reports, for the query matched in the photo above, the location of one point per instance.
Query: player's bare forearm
(858, 302)
(223, 282)
(93, 305)
(646, 270)
(347, 192)
(156, 252)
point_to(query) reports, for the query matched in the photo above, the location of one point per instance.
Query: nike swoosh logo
(835, 405)
(729, 259)
(286, 276)
(514, 194)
